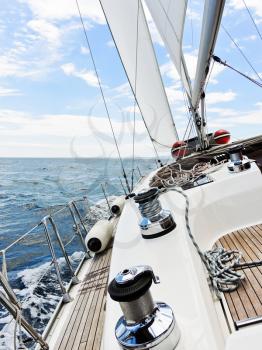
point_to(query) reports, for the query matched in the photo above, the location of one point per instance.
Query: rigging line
(134, 116)
(252, 19)
(189, 112)
(103, 96)
(187, 141)
(188, 115)
(224, 63)
(147, 129)
(188, 123)
(242, 53)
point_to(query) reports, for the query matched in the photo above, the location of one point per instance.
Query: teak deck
(85, 326)
(246, 302)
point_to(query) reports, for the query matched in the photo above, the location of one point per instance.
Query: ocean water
(31, 189)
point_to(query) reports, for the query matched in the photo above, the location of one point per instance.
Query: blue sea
(31, 189)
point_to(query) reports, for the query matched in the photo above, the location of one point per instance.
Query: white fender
(99, 236)
(118, 205)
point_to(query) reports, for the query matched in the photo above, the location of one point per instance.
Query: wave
(39, 299)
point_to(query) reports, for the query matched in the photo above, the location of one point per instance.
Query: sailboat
(178, 265)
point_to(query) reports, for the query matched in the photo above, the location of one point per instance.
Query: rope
(220, 263)
(252, 19)
(224, 63)
(174, 175)
(103, 97)
(242, 53)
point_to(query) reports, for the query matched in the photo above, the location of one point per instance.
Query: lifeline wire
(103, 97)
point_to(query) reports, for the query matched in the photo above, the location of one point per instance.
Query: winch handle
(128, 275)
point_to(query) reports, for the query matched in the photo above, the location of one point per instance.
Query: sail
(127, 22)
(169, 17)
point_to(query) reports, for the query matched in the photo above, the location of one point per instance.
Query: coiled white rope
(220, 263)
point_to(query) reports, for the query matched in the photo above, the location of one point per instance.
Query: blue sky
(50, 105)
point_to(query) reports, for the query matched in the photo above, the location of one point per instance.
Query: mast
(210, 26)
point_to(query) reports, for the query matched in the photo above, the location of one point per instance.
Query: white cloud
(84, 50)
(168, 69)
(218, 97)
(252, 37)
(193, 14)
(130, 109)
(67, 134)
(65, 9)
(255, 5)
(9, 92)
(110, 43)
(46, 30)
(174, 95)
(121, 91)
(87, 75)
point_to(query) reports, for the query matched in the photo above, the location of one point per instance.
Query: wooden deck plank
(239, 307)
(94, 321)
(87, 292)
(64, 334)
(245, 292)
(78, 303)
(93, 309)
(84, 328)
(246, 301)
(99, 331)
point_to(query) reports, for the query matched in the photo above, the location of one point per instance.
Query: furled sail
(210, 26)
(130, 32)
(169, 17)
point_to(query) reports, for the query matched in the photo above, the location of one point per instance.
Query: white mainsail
(169, 17)
(130, 32)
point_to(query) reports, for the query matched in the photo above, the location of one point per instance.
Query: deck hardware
(145, 324)
(238, 162)
(155, 221)
(247, 322)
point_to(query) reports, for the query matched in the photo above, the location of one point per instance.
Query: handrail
(9, 301)
(11, 304)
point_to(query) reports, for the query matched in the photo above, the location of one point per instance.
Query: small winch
(155, 221)
(145, 324)
(238, 162)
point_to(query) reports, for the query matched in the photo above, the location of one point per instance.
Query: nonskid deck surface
(84, 328)
(246, 302)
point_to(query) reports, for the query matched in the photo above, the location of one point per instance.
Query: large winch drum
(238, 162)
(155, 221)
(145, 324)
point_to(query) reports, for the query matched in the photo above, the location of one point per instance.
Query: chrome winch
(155, 221)
(238, 162)
(145, 324)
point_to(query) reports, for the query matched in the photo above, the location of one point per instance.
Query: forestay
(130, 32)
(169, 17)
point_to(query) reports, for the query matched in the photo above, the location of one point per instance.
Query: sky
(50, 104)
